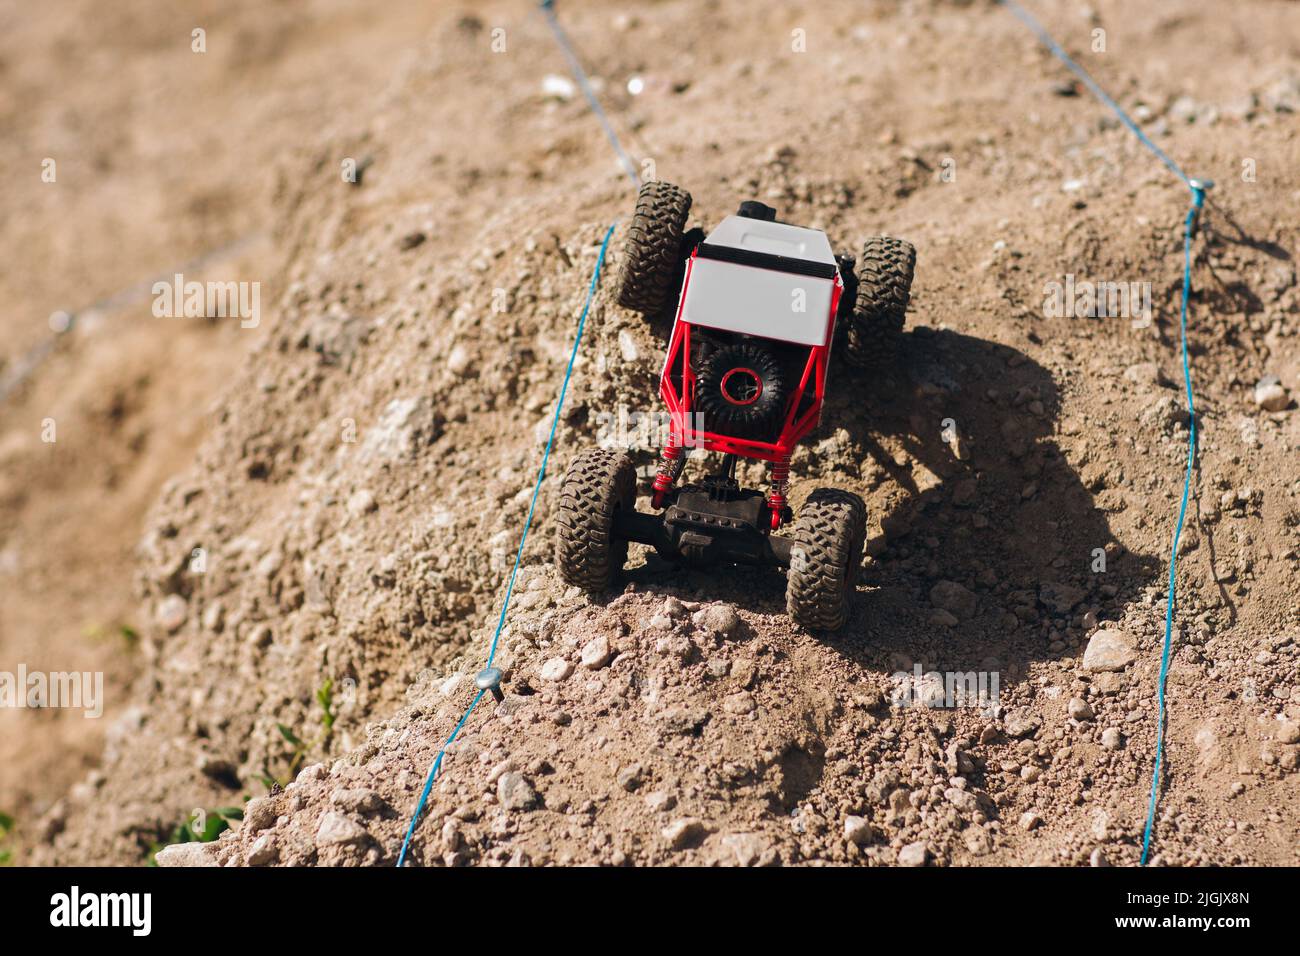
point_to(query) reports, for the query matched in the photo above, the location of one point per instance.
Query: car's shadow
(954, 443)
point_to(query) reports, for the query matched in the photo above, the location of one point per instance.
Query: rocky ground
(359, 489)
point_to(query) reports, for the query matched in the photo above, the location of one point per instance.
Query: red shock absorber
(776, 498)
(671, 462)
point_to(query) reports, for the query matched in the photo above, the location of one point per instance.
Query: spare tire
(741, 392)
(653, 250)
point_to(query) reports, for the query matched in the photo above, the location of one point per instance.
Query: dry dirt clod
(264, 851)
(515, 791)
(717, 618)
(954, 598)
(337, 829)
(681, 833)
(358, 800)
(1021, 724)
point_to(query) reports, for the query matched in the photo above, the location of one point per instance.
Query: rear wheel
(825, 558)
(884, 291)
(653, 247)
(598, 485)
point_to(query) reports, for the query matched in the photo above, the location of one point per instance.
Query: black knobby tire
(653, 247)
(884, 290)
(825, 559)
(740, 391)
(597, 485)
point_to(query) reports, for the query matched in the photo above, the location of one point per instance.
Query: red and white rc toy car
(762, 303)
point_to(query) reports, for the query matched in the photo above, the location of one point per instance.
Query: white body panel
(774, 238)
(757, 301)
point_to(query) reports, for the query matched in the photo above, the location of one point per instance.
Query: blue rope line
(433, 772)
(1198, 198)
(575, 66)
(1045, 38)
(546, 455)
(510, 586)
(1189, 227)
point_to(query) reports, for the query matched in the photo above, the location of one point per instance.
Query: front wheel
(825, 558)
(653, 249)
(884, 291)
(598, 484)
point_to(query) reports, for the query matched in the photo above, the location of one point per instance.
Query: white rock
(963, 800)
(187, 854)
(362, 502)
(556, 669)
(263, 852)
(739, 704)
(172, 612)
(627, 346)
(557, 86)
(977, 841)
(337, 830)
(914, 854)
(259, 813)
(1109, 650)
(357, 800)
(596, 653)
(857, 830)
(458, 360)
(660, 801)
(1270, 395)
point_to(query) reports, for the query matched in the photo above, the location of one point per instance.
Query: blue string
(433, 772)
(1198, 198)
(1045, 38)
(1189, 226)
(510, 586)
(546, 455)
(575, 66)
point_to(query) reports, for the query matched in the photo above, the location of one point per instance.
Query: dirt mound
(356, 506)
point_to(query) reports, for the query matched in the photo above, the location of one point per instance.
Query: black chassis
(713, 522)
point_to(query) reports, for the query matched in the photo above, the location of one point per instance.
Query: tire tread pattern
(828, 540)
(652, 247)
(598, 483)
(884, 291)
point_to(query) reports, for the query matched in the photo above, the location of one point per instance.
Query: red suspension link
(671, 462)
(776, 498)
